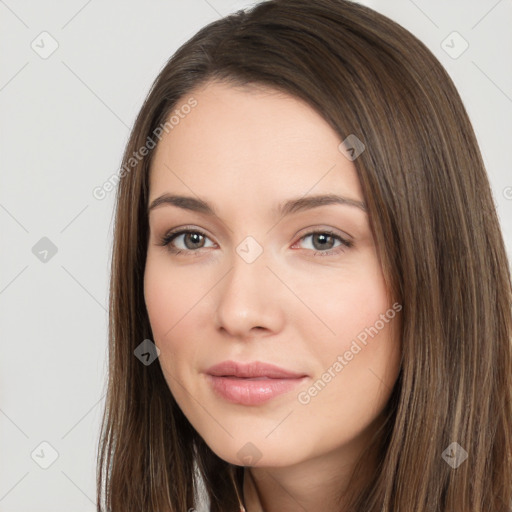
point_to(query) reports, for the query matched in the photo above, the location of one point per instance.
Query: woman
(310, 296)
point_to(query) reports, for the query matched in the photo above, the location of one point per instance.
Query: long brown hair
(438, 238)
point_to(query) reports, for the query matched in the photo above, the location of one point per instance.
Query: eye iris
(196, 237)
(323, 237)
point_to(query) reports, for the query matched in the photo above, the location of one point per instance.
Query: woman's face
(252, 282)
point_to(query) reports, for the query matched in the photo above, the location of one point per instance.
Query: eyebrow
(287, 208)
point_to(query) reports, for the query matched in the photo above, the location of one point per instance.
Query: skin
(245, 150)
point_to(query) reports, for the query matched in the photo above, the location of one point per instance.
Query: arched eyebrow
(286, 208)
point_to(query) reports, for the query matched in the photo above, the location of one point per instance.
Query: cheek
(169, 295)
(355, 308)
(358, 359)
(345, 305)
(174, 305)
(361, 365)
(160, 301)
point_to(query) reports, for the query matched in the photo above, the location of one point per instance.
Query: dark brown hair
(439, 242)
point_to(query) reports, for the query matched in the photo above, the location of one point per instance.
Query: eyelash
(169, 237)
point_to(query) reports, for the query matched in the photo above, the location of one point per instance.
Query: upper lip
(252, 369)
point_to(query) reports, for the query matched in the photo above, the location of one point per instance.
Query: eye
(192, 238)
(324, 239)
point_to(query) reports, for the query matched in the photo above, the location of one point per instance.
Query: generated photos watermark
(304, 397)
(100, 192)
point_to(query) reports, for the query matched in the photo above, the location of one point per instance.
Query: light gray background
(64, 122)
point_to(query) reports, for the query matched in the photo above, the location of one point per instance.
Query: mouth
(251, 391)
(253, 383)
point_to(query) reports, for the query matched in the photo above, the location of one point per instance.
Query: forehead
(248, 146)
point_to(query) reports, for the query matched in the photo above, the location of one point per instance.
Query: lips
(251, 383)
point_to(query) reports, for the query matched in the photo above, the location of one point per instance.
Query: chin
(255, 453)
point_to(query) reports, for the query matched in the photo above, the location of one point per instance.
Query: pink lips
(252, 383)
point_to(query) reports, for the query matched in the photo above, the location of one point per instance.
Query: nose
(250, 299)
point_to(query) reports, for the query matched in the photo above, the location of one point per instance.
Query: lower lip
(251, 392)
